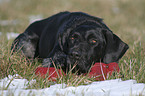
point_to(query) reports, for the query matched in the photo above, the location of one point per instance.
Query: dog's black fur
(69, 38)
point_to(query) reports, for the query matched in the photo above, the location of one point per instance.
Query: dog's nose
(75, 54)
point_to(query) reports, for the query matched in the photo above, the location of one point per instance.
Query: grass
(124, 17)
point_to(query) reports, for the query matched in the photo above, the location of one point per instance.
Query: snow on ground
(34, 18)
(11, 35)
(1, 1)
(31, 18)
(9, 22)
(115, 87)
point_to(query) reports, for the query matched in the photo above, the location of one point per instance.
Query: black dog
(69, 38)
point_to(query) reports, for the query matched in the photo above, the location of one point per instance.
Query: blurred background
(126, 18)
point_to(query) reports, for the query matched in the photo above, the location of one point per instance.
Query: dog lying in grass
(69, 38)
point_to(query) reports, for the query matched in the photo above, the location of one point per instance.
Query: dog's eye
(93, 41)
(72, 38)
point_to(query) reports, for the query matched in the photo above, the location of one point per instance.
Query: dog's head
(88, 43)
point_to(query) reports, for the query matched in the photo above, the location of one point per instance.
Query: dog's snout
(75, 54)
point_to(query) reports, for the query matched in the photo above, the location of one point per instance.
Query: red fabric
(52, 72)
(99, 71)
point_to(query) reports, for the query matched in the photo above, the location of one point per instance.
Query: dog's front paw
(47, 62)
(58, 60)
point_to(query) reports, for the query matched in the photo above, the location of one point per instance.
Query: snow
(115, 10)
(11, 35)
(1, 1)
(34, 18)
(115, 87)
(9, 22)
(31, 18)
(14, 82)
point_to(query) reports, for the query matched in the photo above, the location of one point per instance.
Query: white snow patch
(116, 10)
(12, 82)
(115, 87)
(1, 1)
(11, 35)
(34, 18)
(9, 22)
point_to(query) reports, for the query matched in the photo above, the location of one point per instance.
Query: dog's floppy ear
(115, 47)
(62, 39)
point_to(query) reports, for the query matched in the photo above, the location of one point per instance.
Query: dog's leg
(27, 44)
(58, 60)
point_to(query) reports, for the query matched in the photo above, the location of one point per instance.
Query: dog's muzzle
(74, 54)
